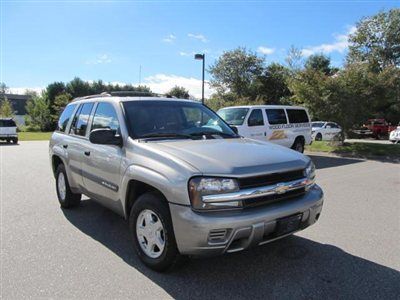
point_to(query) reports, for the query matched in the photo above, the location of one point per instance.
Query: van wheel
(150, 225)
(318, 137)
(7, 141)
(15, 140)
(65, 196)
(298, 145)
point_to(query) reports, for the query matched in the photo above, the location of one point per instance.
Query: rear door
(76, 144)
(8, 127)
(101, 163)
(299, 125)
(255, 128)
(277, 126)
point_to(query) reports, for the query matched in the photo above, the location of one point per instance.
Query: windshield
(233, 116)
(174, 119)
(318, 124)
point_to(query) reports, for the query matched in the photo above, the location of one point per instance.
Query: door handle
(87, 153)
(65, 146)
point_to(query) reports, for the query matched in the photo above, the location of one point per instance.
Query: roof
(126, 99)
(265, 106)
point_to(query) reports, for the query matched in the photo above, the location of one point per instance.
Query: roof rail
(104, 94)
(134, 93)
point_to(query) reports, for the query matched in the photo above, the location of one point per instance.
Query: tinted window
(7, 123)
(332, 125)
(297, 116)
(65, 117)
(318, 124)
(81, 119)
(256, 118)
(105, 117)
(233, 116)
(276, 116)
(174, 117)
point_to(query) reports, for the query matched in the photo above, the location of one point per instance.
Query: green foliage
(216, 103)
(178, 92)
(6, 109)
(377, 41)
(236, 72)
(319, 62)
(60, 102)
(38, 114)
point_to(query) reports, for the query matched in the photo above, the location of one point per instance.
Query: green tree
(319, 62)
(178, 92)
(236, 72)
(6, 109)
(38, 113)
(377, 41)
(60, 103)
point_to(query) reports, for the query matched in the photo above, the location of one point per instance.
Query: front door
(278, 131)
(101, 164)
(255, 128)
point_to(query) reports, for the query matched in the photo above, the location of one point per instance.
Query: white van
(288, 126)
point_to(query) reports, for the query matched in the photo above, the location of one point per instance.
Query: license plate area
(288, 224)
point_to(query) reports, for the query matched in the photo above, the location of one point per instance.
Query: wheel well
(56, 161)
(299, 138)
(135, 189)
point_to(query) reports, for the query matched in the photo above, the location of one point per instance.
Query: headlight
(201, 186)
(309, 172)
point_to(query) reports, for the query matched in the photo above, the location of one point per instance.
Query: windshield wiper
(162, 135)
(208, 133)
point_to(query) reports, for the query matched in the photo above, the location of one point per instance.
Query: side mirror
(235, 129)
(105, 136)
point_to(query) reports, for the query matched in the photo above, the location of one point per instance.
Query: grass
(34, 136)
(356, 149)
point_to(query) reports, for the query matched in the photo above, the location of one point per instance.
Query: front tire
(150, 225)
(298, 145)
(318, 137)
(66, 197)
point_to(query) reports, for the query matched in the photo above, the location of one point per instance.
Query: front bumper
(213, 233)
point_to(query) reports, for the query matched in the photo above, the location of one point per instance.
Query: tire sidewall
(159, 206)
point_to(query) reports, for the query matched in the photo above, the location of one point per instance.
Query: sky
(45, 41)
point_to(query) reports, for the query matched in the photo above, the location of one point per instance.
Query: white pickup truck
(8, 130)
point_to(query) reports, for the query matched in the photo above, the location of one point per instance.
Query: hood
(232, 157)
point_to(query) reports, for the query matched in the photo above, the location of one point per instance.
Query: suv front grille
(258, 201)
(263, 180)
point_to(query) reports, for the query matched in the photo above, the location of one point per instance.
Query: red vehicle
(379, 128)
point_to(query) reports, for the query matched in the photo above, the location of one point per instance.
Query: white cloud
(199, 37)
(340, 44)
(100, 59)
(183, 53)
(162, 83)
(170, 38)
(265, 50)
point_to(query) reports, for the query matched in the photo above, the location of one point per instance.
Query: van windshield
(233, 116)
(163, 119)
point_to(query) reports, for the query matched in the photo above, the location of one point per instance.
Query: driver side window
(256, 118)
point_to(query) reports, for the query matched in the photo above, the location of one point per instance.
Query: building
(18, 103)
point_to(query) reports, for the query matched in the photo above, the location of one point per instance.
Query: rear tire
(65, 196)
(318, 137)
(298, 145)
(8, 141)
(15, 140)
(156, 248)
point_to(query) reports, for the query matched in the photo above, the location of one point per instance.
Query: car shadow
(323, 162)
(294, 267)
(8, 144)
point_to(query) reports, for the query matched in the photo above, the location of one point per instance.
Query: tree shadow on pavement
(294, 267)
(323, 162)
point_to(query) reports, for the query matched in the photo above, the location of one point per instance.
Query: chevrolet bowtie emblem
(280, 188)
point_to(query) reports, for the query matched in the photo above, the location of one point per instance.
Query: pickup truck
(376, 128)
(8, 130)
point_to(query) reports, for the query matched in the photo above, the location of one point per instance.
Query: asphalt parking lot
(352, 252)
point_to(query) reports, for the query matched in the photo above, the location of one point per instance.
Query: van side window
(255, 118)
(297, 116)
(81, 119)
(105, 117)
(65, 117)
(276, 116)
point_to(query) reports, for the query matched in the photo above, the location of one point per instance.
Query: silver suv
(187, 183)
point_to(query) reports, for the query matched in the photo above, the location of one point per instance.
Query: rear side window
(7, 123)
(297, 116)
(105, 117)
(65, 117)
(81, 119)
(276, 116)
(256, 118)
